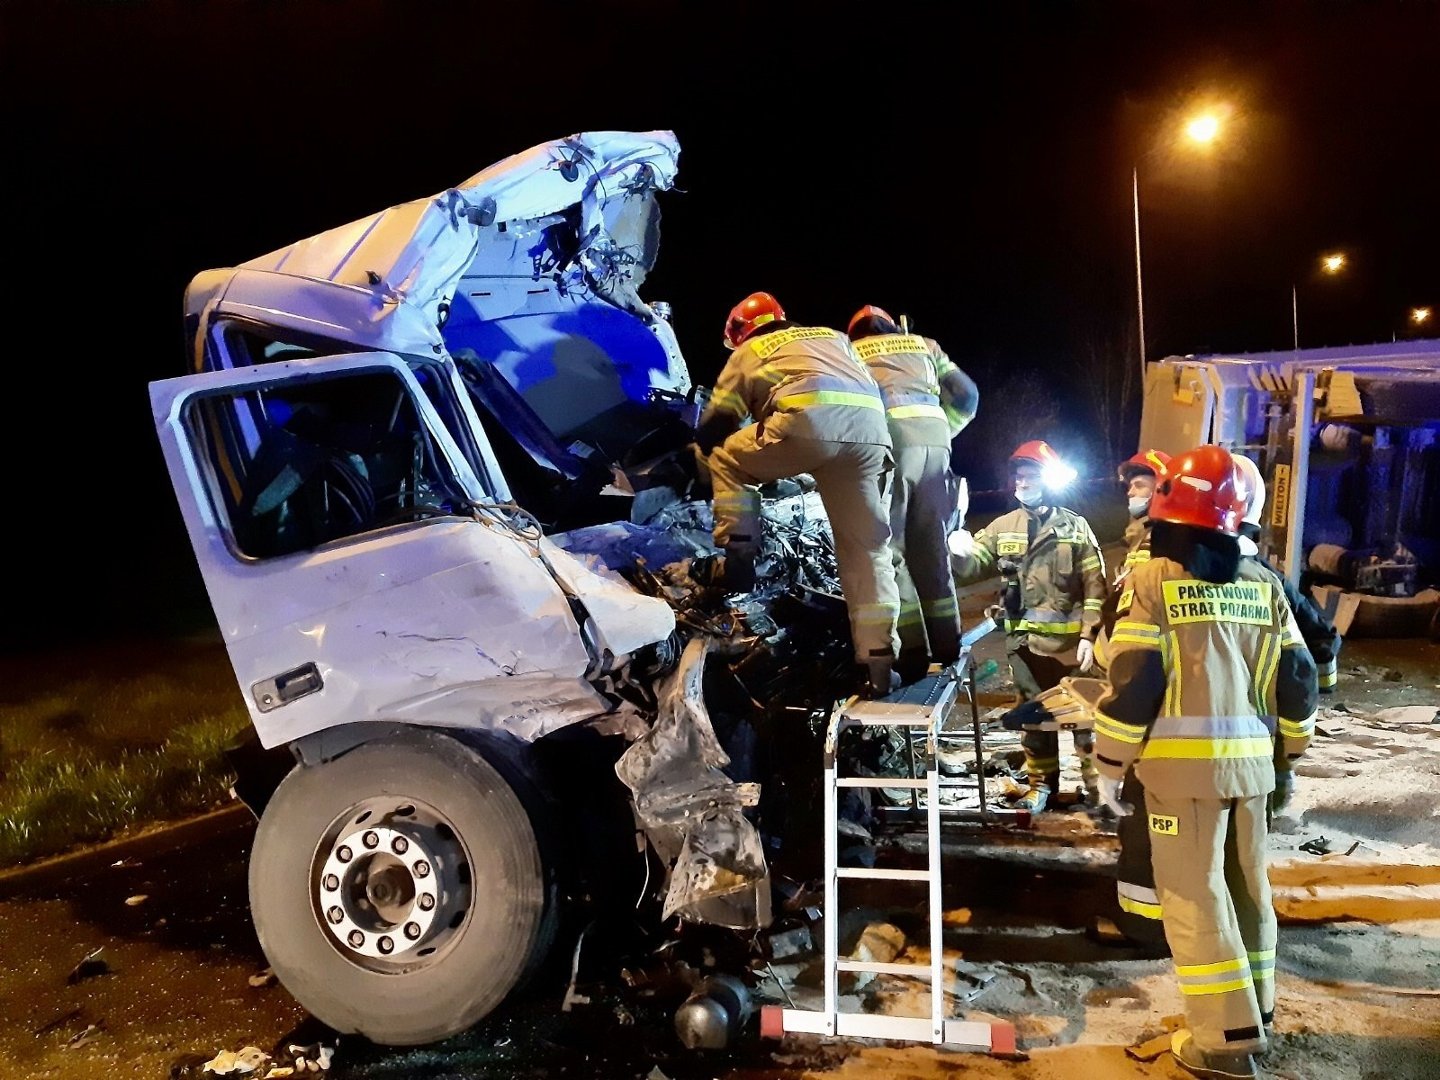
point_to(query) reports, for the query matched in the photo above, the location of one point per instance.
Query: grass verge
(135, 736)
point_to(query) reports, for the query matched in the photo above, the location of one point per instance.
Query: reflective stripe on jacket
(1061, 574)
(928, 400)
(800, 381)
(1321, 637)
(1203, 677)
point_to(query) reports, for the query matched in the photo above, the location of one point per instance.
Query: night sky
(971, 169)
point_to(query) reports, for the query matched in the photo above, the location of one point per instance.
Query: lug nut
(412, 930)
(422, 869)
(357, 938)
(400, 845)
(331, 882)
(370, 839)
(387, 945)
(426, 901)
(335, 915)
(343, 853)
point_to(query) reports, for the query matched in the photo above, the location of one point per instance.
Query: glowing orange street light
(1333, 264)
(1419, 315)
(1203, 129)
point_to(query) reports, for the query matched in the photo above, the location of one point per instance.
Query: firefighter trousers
(1035, 673)
(853, 480)
(929, 625)
(1209, 860)
(1140, 912)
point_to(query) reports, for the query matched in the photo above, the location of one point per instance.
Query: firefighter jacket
(1054, 577)
(1321, 637)
(796, 381)
(928, 400)
(1137, 544)
(1211, 686)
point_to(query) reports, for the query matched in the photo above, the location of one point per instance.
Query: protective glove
(1110, 796)
(1284, 789)
(962, 543)
(1085, 654)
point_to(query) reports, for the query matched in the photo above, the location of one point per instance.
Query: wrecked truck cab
(398, 621)
(527, 277)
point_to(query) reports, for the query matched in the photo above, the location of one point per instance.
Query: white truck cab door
(357, 568)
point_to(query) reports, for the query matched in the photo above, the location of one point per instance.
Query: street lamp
(1201, 131)
(1331, 265)
(1420, 315)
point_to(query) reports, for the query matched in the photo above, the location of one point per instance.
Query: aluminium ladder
(926, 717)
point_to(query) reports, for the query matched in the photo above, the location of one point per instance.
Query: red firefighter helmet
(749, 315)
(1036, 452)
(1055, 474)
(1204, 488)
(1153, 462)
(867, 312)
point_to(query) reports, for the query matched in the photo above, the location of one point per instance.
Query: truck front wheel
(398, 891)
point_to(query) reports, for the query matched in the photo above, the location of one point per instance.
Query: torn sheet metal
(692, 811)
(622, 620)
(402, 265)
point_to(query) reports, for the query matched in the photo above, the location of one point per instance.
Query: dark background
(968, 164)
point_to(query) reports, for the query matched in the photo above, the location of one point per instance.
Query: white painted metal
(881, 874)
(935, 1028)
(1299, 474)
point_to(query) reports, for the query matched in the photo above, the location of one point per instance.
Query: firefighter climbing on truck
(1052, 593)
(817, 410)
(928, 401)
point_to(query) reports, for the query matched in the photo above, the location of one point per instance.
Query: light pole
(1331, 265)
(1200, 130)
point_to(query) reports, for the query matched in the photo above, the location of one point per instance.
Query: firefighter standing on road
(817, 410)
(928, 401)
(1138, 919)
(1207, 664)
(1054, 587)
(1321, 637)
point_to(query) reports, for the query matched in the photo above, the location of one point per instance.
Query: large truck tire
(398, 891)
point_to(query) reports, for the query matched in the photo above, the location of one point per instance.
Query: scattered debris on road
(88, 968)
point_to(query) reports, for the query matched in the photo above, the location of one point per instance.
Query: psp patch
(1164, 825)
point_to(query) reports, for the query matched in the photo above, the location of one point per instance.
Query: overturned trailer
(433, 465)
(1348, 440)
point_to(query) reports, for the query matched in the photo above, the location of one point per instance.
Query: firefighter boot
(1035, 799)
(1210, 1064)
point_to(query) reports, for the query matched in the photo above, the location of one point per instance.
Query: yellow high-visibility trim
(1055, 629)
(1188, 971)
(1328, 677)
(1208, 749)
(1129, 626)
(1206, 989)
(1118, 729)
(1258, 684)
(946, 605)
(1263, 954)
(907, 412)
(1135, 639)
(1263, 973)
(830, 397)
(1139, 907)
(728, 401)
(1094, 605)
(1296, 729)
(1091, 563)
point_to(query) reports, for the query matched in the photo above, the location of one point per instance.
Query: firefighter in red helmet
(928, 401)
(1053, 588)
(816, 410)
(1211, 689)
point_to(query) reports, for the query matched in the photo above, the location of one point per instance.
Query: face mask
(1138, 507)
(1029, 496)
